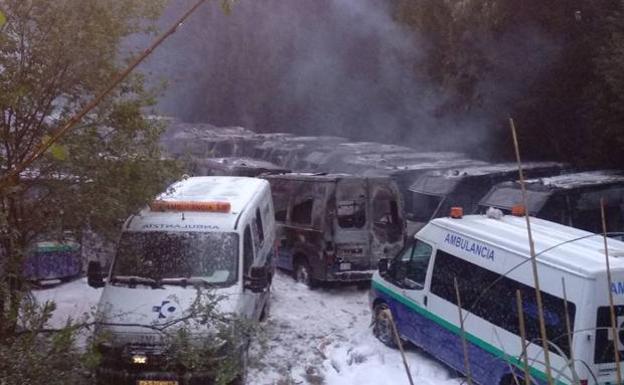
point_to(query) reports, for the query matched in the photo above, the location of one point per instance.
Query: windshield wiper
(184, 282)
(133, 280)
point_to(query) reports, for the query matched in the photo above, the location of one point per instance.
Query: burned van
(233, 166)
(335, 227)
(434, 193)
(570, 199)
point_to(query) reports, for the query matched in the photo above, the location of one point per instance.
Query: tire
(382, 325)
(303, 274)
(241, 378)
(264, 314)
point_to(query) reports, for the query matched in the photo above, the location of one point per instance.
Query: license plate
(345, 266)
(157, 382)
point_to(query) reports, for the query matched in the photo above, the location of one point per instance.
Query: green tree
(54, 57)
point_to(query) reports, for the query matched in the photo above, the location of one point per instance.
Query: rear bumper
(350, 276)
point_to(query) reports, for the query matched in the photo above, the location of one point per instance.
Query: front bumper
(114, 376)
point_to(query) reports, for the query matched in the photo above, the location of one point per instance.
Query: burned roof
(590, 186)
(580, 179)
(318, 177)
(440, 182)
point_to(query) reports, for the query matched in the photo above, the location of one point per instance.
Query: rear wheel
(303, 274)
(382, 325)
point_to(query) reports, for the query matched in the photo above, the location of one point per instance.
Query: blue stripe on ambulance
(442, 339)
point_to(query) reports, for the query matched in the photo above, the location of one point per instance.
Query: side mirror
(383, 266)
(95, 276)
(258, 279)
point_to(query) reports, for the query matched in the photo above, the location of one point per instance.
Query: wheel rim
(382, 328)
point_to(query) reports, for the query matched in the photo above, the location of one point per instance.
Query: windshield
(159, 255)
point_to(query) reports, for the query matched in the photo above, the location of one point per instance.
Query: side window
(409, 268)
(259, 227)
(418, 265)
(351, 213)
(492, 297)
(302, 211)
(248, 250)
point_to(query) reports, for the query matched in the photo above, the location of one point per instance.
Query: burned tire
(382, 325)
(303, 274)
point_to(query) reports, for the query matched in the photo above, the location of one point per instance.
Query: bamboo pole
(568, 326)
(463, 333)
(400, 345)
(538, 293)
(13, 174)
(614, 328)
(525, 353)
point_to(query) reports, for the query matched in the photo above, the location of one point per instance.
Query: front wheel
(382, 325)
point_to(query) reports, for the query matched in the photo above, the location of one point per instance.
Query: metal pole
(525, 354)
(11, 175)
(538, 293)
(614, 326)
(400, 345)
(463, 333)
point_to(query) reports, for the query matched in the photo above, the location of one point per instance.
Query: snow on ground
(324, 337)
(312, 337)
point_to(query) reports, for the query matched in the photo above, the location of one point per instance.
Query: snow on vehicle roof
(332, 177)
(580, 179)
(439, 164)
(568, 248)
(239, 162)
(495, 168)
(235, 190)
(358, 147)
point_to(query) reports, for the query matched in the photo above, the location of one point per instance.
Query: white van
(216, 233)
(489, 256)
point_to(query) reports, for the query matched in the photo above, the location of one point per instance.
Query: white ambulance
(216, 233)
(489, 257)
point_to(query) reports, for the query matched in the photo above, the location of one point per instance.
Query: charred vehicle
(569, 199)
(335, 227)
(434, 193)
(233, 166)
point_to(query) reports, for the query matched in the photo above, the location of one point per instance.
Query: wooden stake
(463, 333)
(614, 327)
(400, 345)
(568, 326)
(525, 354)
(538, 293)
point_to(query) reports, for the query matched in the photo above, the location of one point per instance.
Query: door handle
(425, 300)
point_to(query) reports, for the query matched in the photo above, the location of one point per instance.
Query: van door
(386, 221)
(411, 274)
(351, 225)
(250, 301)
